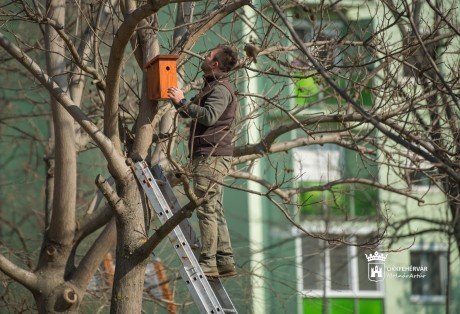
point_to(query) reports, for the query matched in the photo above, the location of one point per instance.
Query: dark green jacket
(213, 112)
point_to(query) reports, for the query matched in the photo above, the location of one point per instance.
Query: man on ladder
(210, 146)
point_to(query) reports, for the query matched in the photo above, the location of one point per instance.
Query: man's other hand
(175, 94)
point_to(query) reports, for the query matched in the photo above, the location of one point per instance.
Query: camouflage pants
(216, 250)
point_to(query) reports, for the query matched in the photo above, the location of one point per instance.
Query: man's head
(219, 60)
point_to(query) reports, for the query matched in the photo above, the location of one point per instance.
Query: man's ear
(215, 65)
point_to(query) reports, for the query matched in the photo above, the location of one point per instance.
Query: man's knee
(206, 211)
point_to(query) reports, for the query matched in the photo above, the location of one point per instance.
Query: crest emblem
(376, 266)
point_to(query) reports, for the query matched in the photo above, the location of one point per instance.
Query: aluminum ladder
(209, 295)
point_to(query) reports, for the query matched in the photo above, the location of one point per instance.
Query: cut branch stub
(70, 296)
(51, 250)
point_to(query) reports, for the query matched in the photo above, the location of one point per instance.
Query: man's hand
(175, 94)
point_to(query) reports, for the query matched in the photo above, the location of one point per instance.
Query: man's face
(209, 65)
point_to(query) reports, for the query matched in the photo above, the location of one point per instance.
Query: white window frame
(354, 229)
(327, 159)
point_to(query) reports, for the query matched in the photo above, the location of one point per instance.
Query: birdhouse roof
(161, 58)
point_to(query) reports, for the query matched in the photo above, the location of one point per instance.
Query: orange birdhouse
(161, 74)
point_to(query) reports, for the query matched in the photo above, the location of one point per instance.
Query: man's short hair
(227, 58)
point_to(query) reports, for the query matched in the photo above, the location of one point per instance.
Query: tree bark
(56, 295)
(132, 232)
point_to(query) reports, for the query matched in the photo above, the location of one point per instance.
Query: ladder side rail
(216, 284)
(194, 278)
(185, 225)
(192, 274)
(221, 293)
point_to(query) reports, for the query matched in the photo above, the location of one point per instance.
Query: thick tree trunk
(184, 16)
(147, 48)
(59, 236)
(132, 232)
(53, 294)
(63, 296)
(133, 222)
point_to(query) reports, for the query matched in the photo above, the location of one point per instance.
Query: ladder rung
(208, 295)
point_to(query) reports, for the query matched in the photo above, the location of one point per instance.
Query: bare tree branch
(103, 142)
(92, 259)
(92, 222)
(188, 40)
(115, 66)
(24, 277)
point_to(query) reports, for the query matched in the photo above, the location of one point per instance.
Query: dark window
(313, 264)
(434, 282)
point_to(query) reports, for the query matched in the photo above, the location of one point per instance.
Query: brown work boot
(211, 274)
(210, 271)
(227, 270)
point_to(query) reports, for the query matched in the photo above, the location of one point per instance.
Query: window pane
(325, 29)
(311, 203)
(366, 199)
(316, 165)
(370, 306)
(363, 198)
(339, 262)
(336, 201)
(319, 203)
(313, 264)
(342, 306)
(433, 259)
(417, 284)
(363, 281)
(319, 163)
(313, 306)
(434, 281)
(421, 178)
(358, 166)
